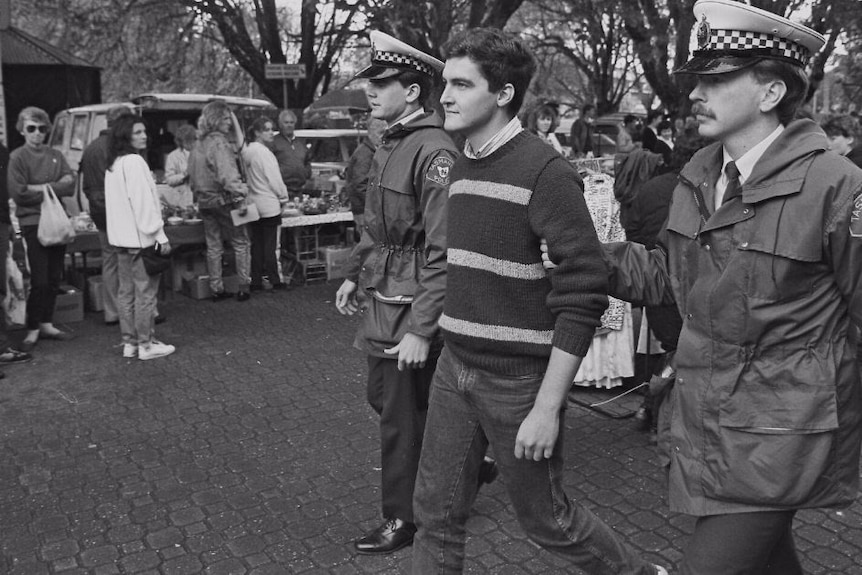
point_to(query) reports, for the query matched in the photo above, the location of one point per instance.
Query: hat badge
(703, 33)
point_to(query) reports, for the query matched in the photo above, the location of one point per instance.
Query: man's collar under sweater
(509, 131)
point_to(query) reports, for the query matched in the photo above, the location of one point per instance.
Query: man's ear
(773, 93)
(505, 95)
(412, 93)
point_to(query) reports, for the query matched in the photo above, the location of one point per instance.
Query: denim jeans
(468, 409)
(136, 297)
(218, 227)
(110, 277)
(46, 272)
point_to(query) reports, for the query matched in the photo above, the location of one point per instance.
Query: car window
(59, 130)
(79, 132)
(324, 149)
(100, 122)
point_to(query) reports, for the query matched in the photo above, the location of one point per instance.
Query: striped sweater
(503, 312)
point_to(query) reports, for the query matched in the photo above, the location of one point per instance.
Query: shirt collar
(509, 131)
(406, 119)
(746, 162)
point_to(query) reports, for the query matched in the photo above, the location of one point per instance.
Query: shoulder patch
(856, 218)
(438, 171)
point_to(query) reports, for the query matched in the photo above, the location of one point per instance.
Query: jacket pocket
(774, 443)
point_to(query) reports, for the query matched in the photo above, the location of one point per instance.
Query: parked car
(330, 149)
(163, 114)
(604, 133)
(74, 128)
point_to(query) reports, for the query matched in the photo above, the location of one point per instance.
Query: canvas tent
(36, 73)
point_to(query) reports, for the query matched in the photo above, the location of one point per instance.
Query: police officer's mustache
(701, 110)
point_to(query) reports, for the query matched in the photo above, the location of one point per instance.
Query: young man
(399, 271)
(581, 137)
(762, 253)
(514, 335)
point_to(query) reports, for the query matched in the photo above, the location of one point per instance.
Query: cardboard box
(95, 293)
(184, 265)
(196, 286)
(337, 260)
(69, 306)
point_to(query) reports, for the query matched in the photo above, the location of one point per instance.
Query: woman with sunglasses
(32, 168)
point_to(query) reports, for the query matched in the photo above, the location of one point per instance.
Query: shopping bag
(55, 227)
(15, 303)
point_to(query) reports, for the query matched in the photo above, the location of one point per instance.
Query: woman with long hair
(134, 222)
(542, 122)
(268, 192)
(33, 169)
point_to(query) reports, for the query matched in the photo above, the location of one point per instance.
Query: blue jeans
(136, 297)
(110, 277)
(468, 409)
(218, 227)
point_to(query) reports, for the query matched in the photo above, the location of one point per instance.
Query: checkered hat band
(740, 42)
(397, 60)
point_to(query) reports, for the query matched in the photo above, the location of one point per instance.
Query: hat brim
(703, 65)
(378, 72)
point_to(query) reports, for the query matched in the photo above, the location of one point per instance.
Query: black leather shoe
(242, 296)
(488, 472)
(219, 296)
(389, 537)
(160, 319)
(281, 286)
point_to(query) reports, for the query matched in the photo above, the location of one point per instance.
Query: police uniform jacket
(401, 256)
(765, 412)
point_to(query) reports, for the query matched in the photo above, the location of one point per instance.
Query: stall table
(178, 236)
(305, 236)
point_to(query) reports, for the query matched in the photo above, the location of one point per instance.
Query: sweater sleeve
(17, 180)
(142, 193)
(264, 163)
(578, 295)
(64, 185)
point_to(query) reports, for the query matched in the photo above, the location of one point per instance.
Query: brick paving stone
(252, 450)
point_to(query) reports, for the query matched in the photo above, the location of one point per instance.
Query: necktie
(734, 188)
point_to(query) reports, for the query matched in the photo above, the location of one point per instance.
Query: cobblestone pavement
(252, 450)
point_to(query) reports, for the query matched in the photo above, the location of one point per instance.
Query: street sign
(284, 71)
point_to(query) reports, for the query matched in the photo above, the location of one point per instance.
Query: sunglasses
(43, 129)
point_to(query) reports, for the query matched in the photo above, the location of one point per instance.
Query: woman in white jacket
(134, 220)
(268, 192)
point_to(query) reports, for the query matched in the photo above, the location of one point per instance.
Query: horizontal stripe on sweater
(500, 267)
(496, 332)
(496, 191)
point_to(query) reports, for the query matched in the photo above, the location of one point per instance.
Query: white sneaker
(130, 350)
(661, 570)
(155, 349)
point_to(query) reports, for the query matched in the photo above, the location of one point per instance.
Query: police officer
(762, 253)
(399, 271)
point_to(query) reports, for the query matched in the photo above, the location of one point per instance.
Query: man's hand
(165, 249)
(345, 298)
(412, 351)
(537, 435)
(546, 260)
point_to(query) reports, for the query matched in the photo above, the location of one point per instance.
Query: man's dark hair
(652, 115)
(793, 76)
(846, 126)
(628, 119)
(120, 143)
(424, 81)
(502, 59)
(586, 108)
